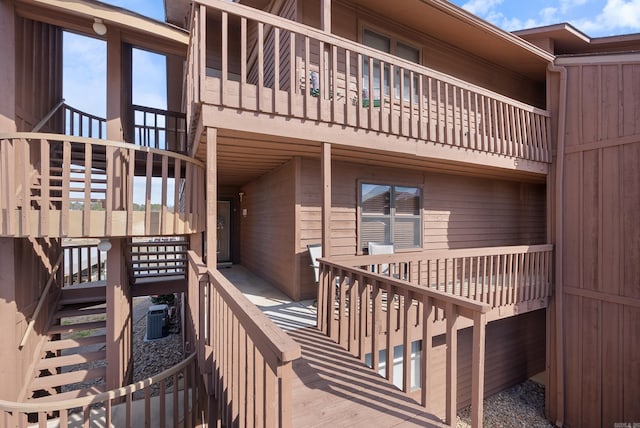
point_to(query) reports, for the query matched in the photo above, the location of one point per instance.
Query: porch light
(99, 27)
(104, 245)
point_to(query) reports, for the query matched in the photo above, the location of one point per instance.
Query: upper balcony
(294, 81)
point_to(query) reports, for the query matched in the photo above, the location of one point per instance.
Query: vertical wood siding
(602, 245)
(38, 71)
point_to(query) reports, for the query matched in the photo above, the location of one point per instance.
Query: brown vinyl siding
(515, 351)
(458, 211)
(347, 21)
(267, 232)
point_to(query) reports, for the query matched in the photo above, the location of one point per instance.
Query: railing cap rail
(332, 39)
(262, 330)
(96, 141)
(462, 302)
(50, 406)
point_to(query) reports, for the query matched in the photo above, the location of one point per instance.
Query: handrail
(49, 406)
(48, 116)
(446, 298)
(332, 39)
(94, 141)
(258, 325)
(44, 294)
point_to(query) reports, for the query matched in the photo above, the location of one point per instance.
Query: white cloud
(481, 7)
(616, 16)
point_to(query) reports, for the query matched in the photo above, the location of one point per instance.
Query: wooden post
(325, 13)
(114, 85)
(119, 332)
(452, 363)
(212, 196)
(326, 199)
(477, 368)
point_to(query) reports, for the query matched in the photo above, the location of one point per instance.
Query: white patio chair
(376, 248)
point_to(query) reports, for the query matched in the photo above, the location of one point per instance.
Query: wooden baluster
(376, 324)
(66, 187)
(423, 122)
(371, 95)
(147, 198)
(389, 330)
(260, 88)
(363, 290)
(243, 62)
(164, 212)
(276, 71)
(347, 84)
(452, 363)
(86, 219)
(354, 282)
(406, 340)
(293, 58)
(323, 82)
(425, 356)
(45, 180)
(334, 83)
(306, 79)
(342, 317)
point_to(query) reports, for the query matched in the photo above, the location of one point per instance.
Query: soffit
(78, 16)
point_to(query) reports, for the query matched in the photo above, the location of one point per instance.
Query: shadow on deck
(330, 387)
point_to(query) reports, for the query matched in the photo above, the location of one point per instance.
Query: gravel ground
(519, 406)
(153, 356)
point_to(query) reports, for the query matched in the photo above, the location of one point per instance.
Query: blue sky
(85, 58)
(593, 17)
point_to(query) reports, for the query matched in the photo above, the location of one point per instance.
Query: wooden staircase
(73, 362)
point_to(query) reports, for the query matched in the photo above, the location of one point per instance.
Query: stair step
(72, 359)
(70, 395)
(56, 345)
(67, 378)
(68, 313)
(71, 328)
(93, 300)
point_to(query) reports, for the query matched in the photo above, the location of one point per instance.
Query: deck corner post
(477, 368)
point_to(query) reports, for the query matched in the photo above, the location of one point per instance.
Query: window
(390, 214)
(386, 44)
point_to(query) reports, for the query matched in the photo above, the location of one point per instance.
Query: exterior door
(224, 231)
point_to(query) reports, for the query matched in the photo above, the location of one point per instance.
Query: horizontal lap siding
(267, 232)
(515, 351)
(459, 212)
(601, 237)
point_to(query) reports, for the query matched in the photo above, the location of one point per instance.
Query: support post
(212, 196)
(114, 85)
(477, 368)
(326, 199)
(119, 326)
(326, 15)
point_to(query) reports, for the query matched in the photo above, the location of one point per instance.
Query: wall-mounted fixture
(99, 27)
(241, 195)
(104, 245)
(244, 212)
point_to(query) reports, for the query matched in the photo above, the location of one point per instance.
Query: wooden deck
(330, 387)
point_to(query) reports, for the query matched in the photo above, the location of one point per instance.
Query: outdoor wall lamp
(241, 195)
(99, 27)
(104, 245)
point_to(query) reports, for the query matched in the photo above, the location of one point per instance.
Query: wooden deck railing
(497, 276)
(61, 186)
(178, 398)
(246, 357)
(276, 66)
(367, 313)
(81, 124)
(157, 259)
(158, 129)
(83, 263)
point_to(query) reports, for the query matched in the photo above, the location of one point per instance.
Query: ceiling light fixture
(104, 245)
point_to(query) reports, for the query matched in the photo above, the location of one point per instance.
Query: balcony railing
(158, 129)
(412, 297)
(61, 186)
(177, 404)
(265, 63)
(244, 357)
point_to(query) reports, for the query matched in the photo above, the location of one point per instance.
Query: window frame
(392, 213)
(394, 40)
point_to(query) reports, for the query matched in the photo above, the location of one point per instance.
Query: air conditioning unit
(157, 319)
